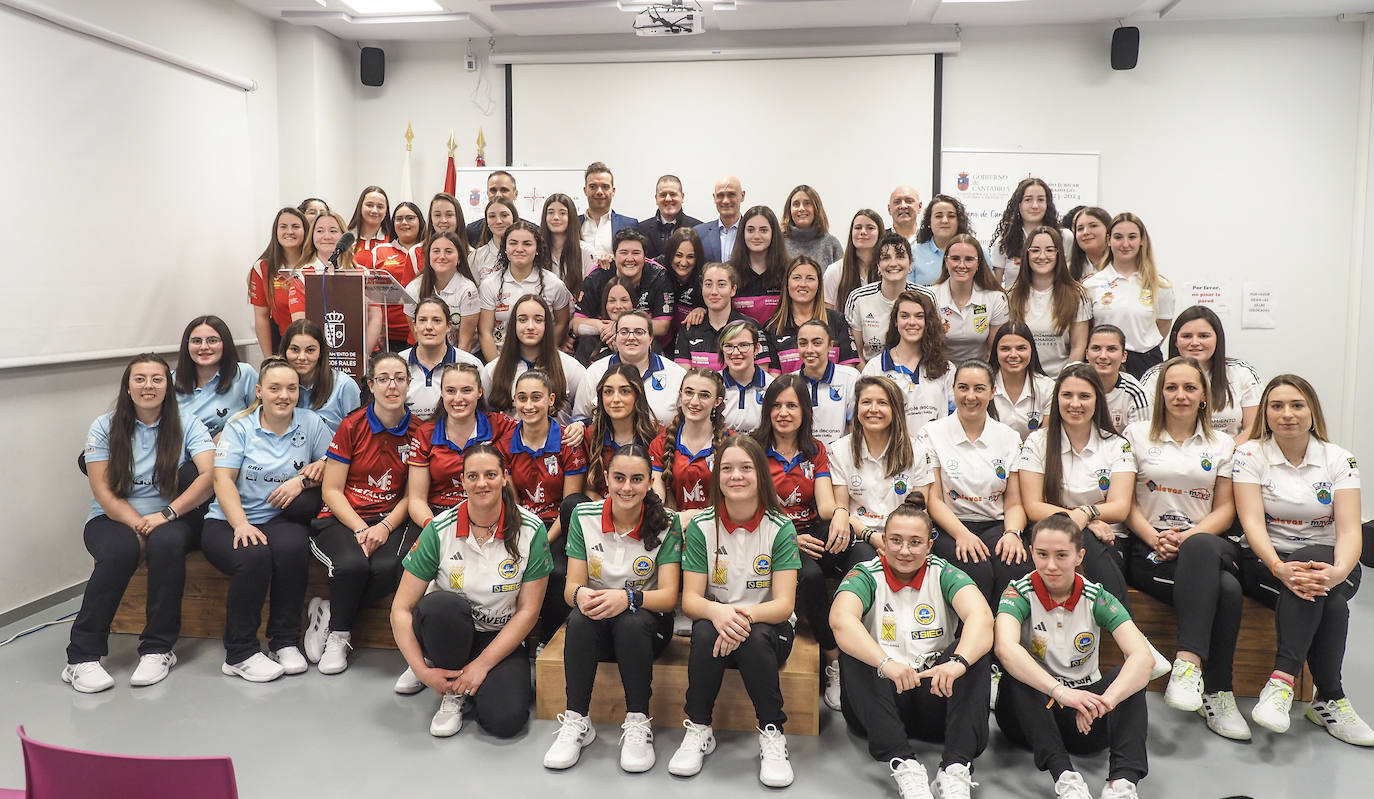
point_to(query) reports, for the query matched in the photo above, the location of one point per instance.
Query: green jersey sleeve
(1014, 604)
(694, 547)
(952, 578)
(541, 562)
(423, 560)
(861, 584)
(670, 546)
(786, 555)
(577, 540)
(1108, 612)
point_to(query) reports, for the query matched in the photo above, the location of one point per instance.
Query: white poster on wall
(983, 180)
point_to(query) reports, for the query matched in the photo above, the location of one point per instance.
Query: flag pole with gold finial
(450, 174)
(407, 192)
(481, 148)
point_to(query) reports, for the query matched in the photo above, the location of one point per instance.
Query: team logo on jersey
(763, 565)
(1083, 642)
(889, 628)
(334, 328)
(506, 569)
(980, 324)
(551, 465)
(1104, 479)
(594, 567)
(924, 614)
(382, 483)
(720, 572)
(455, 578)
(696, 494)
(1352, 463)
(642, 566)
(1033, 421)
(1206, 461)
(403, 450)
(657, 384)
(1107, 298)
(1037, 647)
(793, 498)
(961, 182)
(946, 322)
(1146, 297)
(900, 485)
(999, 468)
(835, 396)
(1323, 492)
(758, 397)
(808, 470)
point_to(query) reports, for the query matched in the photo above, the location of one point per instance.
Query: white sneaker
(1184, 691)
(636, 744)
(1070, 785)
(1223, 717)
(953, 782)
(1340, 719)
(291, 659)
(775, 770)
(335, 656)
(1162, 666)
(318, 630)
(258, 668)
(696, 744)
(911, 778)
(1273, 706)
(88, 677)
(153, 669)
(995, 686)
(1119, 789)
(832, 686)
(448, 719)
(575, 732)
(408, 683)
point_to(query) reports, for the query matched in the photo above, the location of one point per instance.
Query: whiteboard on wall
(853, 128)
(135, 193)
(534, 185)
(983, 180)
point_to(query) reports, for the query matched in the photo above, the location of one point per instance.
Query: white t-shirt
(1053, 348)
(830, 285)
(1175, 481)
(925, 398)
(574, 375)
(662, 380)
(968, 329)
(1127, 303)
(1298, 507)
(500, 290)
(872, 494)
(460, 294)
(743, 406)
(973, 474)
(1087, 475)
(1244, 383)
(422, 397)
(914, 622)
(483, 261)
(1030, 411)
(832, 402)
(868, 312)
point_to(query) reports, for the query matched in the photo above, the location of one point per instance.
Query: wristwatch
(169, 513)
(958, 658)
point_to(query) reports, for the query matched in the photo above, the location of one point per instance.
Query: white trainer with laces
(575, 732)
(153, 669)
(1119, 789)
(954, 781)
(335, 657)
(1223, 717)
(291, 659)
(448, 719)
(636, 744)
(317, 630)
(699, 741)
(256, 668)
(910, 776)
(775, 770)
(408, 683)
(1273, 706)
(1341, 720)
(88, 677)
(832, 686)
(1070, 785)
(1184, 691)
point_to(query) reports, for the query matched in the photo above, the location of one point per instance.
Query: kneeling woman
(488, 560)
(362, 533)
(1047, 631)
(895, 618)
(624, 569)
(739, 582)
(132, 458)
(257, 529)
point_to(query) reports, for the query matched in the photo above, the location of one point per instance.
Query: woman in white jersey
(971, 303)
(432, 322)
(829, 385)
(1129, 292)
(1234, 394)
(915, 359)
(1021, 392)
(1051, 302)
(1127, 399)
(1298, 499)
(1030, 205)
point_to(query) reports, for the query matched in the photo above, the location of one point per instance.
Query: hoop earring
(1202, 404)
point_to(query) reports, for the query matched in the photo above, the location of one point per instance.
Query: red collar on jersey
(608, 523)
(731, 525)
(897, 585)
(462, 527)
(1042, 593)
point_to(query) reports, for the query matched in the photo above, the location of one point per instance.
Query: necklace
(490, 528)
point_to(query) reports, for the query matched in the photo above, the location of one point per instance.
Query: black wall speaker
(1125, 48)
(374, 65)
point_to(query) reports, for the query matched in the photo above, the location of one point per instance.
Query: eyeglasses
(640, 333)
(391, 381)
(737, 348)
(197, 341)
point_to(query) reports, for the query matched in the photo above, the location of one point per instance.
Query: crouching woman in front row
(1048, 627)
(489, 561)
(904, 670)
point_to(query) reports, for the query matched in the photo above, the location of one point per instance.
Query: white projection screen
(853, 128)
(134, 177)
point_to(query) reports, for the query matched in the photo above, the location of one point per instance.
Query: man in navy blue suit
(600, 223)
(668, 196)
(718, 235)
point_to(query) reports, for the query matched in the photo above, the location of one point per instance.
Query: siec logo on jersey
(1083, 642)
(642, 566)
(506, 569)
(763, 565)
(924, 614)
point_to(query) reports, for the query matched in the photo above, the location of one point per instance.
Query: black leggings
(117, 552)
(443, 624)
(1102, 563)
(872, 707)
(1052, 734)
(991, 574)
(813, 599)
(1203, 585)
(1312, 631)
(758, 659)
(631, 640)
(356, 580)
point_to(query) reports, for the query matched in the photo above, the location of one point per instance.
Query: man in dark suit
(668, 196)
(499, 184)
(600, 223)
(718, 235)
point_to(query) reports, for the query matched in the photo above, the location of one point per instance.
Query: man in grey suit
(718, 235)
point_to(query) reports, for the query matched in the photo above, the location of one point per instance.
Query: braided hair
(719, 431)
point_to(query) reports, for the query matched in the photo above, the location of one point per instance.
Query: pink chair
(56, 772)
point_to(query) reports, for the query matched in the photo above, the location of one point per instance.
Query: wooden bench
(799, 678)
(1254, 648)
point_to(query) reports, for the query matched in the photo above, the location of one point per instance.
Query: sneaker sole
(1317, 720)
(1276, 729)
(315, 613)
(66, 678)
(134, 682)
(229, 671)
(1189, 708)
(445, 733)
(638, 769)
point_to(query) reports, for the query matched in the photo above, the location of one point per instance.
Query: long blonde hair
(1145, 261)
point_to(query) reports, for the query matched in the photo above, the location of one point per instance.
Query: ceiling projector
(669, 19)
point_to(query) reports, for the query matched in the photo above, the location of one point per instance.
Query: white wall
(317, 107)
(1235, 143)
